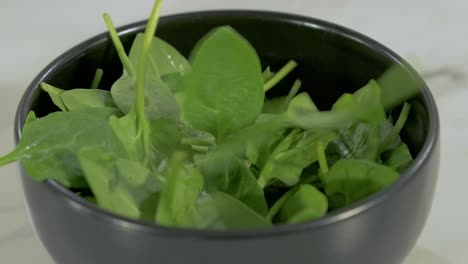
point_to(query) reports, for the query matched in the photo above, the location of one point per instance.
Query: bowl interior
(332, 60)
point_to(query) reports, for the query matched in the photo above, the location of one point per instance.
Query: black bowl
(380, 229)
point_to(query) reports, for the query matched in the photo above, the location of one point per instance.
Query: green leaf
(222, 211)
(398, 85)
(127, 130)
(350, 180)
(394, 133)
(159, 100)
(259, 152)
(368, 97)
(305, 117)
(224, 92)
(275, 105)
(365, 100)
(356, 141)
(82, 98)
(146, 91)
(233, 176)
(49, 146)
(178, 200)
(143, 97)
(279, 105)
(54, 94)
(262, 132)
(399, 158)
(151, 142)
(76, 99)
(292, 155)
(31, 117)
(165, 136)
(301, 103)
(359, 140)
(197, 139)
(120, 185)
(164, 58)
(174, 82)
(305, 203)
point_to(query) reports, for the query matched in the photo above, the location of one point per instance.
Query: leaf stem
(267, 74)
(397, 128)
(127, 64)
(294, 89)
(280, 75)
(311, 179)
(9, 158)
(322, 160)
(97, 79)
(141, 78)
(200, 149)
(280, 202)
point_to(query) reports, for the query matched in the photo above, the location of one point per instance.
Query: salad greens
(198, 144)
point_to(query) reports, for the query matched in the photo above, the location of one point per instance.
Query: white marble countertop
(431, 33)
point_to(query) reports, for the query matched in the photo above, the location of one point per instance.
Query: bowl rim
(340, 215)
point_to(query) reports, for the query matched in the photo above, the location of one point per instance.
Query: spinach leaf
(160, 102)
(164, 58)
(222, 211)
(152, 141)
(183, 202)
(304, 116)
(359, 140)
(82, 98)
(69, 100)
(128, 131)
(301, 103)
(350, 180)
(31, 117)
(197, 138)
(120, 185)
(224, 92)
(278, 105)
(262, 132)
(49, 146)
(154, 96)
(178, 199)
(394, 152)
(135, 129)
(54, 94)
(258, 153)
(398, 86)
(366, 99)
(165, 136)
(305, 203)
(399, 158)
(234, 177)
(394, 133)
(292, 155)
(356, 141)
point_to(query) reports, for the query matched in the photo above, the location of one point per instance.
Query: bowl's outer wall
(332, 60)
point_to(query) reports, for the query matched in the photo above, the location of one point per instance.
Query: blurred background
(432, 35)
